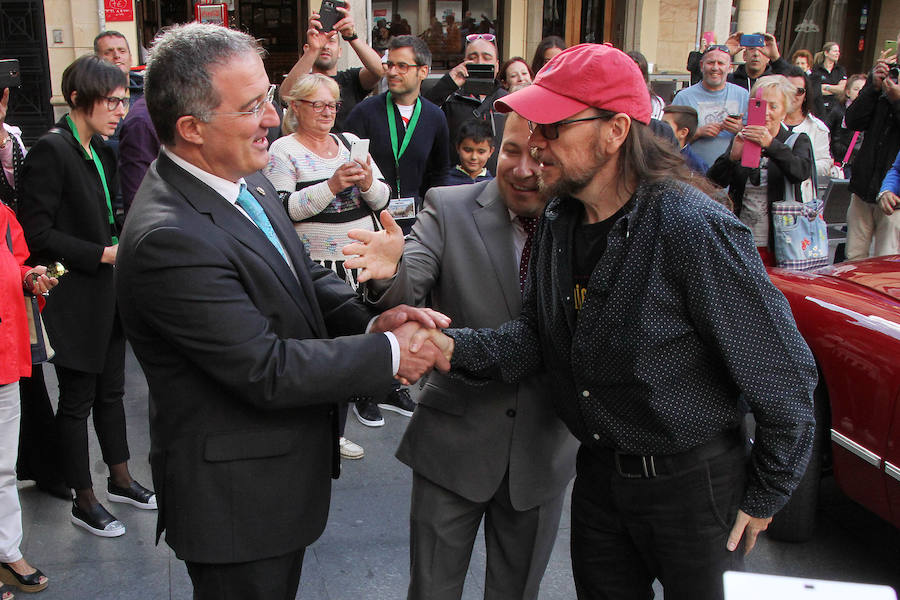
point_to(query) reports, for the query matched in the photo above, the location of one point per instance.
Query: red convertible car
(849, 315)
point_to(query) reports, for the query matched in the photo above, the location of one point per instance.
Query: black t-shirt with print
(589, 245)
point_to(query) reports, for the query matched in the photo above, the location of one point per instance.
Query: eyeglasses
(113, 102)
(401, 67)
(550, 131)
(718, 47)
(258, 107)
(801, 91)
(488, 37)
(319, 106)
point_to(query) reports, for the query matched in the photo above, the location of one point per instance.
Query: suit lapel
(265, 193)
(206, 200)
(492, 220)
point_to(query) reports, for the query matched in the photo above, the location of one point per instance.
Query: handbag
(800, 231)
(41, 350)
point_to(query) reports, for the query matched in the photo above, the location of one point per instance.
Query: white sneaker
(350, 450)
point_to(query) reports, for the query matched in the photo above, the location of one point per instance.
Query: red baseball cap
(580, 77)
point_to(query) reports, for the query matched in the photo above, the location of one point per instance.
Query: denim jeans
(628, 532)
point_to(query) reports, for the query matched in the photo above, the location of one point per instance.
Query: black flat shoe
(26, 583)
(97, 521)
(135, 495)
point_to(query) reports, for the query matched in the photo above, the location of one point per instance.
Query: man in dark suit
(494, 451)
(237, 330)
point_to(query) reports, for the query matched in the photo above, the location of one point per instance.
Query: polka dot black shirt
(680, 330)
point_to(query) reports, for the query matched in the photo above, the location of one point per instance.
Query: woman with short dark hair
(66, 192)
(514, 73)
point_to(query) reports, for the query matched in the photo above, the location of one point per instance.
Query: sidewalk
(363, 553)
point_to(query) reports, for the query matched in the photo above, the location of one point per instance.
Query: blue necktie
(251, 206)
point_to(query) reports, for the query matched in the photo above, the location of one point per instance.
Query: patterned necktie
(252, 207)
(529, 224)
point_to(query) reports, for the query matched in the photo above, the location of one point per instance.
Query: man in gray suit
(497, 451)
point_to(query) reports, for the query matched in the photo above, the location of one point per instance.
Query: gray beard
(568, 184)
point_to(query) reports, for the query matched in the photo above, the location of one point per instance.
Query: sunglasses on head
(719, 47)
(488, 37)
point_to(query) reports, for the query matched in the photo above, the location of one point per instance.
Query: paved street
(363, 552)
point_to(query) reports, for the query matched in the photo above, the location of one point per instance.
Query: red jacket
(15, 347)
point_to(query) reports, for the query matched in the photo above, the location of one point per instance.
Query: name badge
(402, 208)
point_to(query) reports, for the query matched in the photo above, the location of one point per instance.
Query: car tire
(796, 522)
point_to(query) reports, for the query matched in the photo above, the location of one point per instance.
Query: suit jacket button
(511, 412)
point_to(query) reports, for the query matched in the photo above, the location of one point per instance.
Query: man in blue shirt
(721, 106)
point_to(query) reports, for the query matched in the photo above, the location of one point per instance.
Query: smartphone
(756, 115)
(9, 74)
(890, 46)
(359, 150)
(710, 37)
(753, 40)
(480, 80)
(329, 14)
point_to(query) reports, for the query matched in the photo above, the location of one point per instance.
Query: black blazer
(63, 211)
(243, 376)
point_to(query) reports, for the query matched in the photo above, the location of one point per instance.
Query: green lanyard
(392, 125)
(102, 173)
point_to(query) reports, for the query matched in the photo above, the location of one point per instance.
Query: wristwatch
(350, 38)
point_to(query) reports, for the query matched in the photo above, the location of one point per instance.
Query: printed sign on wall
(118, 10)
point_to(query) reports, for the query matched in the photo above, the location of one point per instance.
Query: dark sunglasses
(550, 131)
(719, 47)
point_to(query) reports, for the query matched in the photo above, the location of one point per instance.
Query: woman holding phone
(754, 189)
(325, 193)
(66, 191)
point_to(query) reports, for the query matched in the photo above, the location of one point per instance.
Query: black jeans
(628, 532)
(81, 394)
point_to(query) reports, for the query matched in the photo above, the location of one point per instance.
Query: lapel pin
(260, 191)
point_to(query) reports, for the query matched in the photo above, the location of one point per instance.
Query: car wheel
(796, 522)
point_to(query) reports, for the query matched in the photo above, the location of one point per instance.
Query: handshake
(423, 346)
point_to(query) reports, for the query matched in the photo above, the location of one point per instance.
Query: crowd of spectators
(72, 192)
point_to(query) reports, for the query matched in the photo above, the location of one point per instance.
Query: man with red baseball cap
(648, 304)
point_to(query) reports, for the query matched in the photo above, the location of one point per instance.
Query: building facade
(665, 31)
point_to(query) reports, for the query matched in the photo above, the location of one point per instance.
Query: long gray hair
(178, 81)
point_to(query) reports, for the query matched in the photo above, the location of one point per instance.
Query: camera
(894, 72)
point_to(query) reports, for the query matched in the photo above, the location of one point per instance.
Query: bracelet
(350, 38)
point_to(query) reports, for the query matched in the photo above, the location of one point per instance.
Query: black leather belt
(648, 466)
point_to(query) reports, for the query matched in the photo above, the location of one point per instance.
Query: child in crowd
(683, 121)
(475, 145)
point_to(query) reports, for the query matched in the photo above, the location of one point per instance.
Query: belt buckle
(648, 467)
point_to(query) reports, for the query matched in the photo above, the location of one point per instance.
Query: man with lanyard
(409, 140)
(409, 137)
(320, 55)
(720, 105)
(648, 305)
(460, 105)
